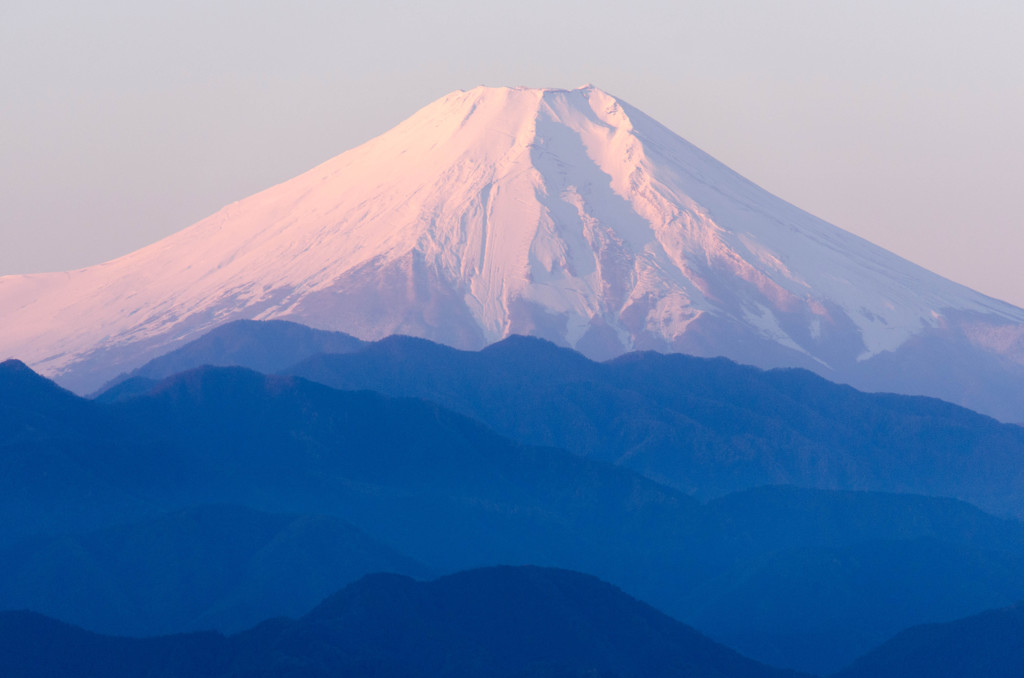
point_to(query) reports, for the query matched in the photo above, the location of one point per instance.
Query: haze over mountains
(565, 214)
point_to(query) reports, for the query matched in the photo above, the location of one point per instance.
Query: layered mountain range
(565, 214)
(190, 497)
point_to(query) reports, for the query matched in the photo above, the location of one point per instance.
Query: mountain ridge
(513, 622)
(704, 426)
(985, 644)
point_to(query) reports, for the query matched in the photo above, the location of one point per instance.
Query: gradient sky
(124, 121)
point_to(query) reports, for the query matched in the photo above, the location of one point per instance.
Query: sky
(122, 122)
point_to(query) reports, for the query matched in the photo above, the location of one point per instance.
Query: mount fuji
(566, 214)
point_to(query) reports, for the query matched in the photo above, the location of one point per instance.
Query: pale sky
(123, 121)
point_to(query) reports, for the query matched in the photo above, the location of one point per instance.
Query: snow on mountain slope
(567, 214)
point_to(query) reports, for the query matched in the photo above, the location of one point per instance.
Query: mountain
(813, 579)
(220, 567)
(23, 392)
(988, 644)
(704, 426)
(268, 346)
(795, 577)
(280, 444)
(566, 214)
(35, 646)
(428, 483)
(504, 622)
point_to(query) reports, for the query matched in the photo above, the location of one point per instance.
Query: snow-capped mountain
(566, 214)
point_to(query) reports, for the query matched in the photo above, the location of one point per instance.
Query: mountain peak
(14, 366)
(564, 214)
(16, 374)
(21, 388)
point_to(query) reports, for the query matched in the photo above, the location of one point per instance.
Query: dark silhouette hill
(265, 346)
(221, 567)
(35, 646)
(989, 644)
(523, 622)
(32, 407)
